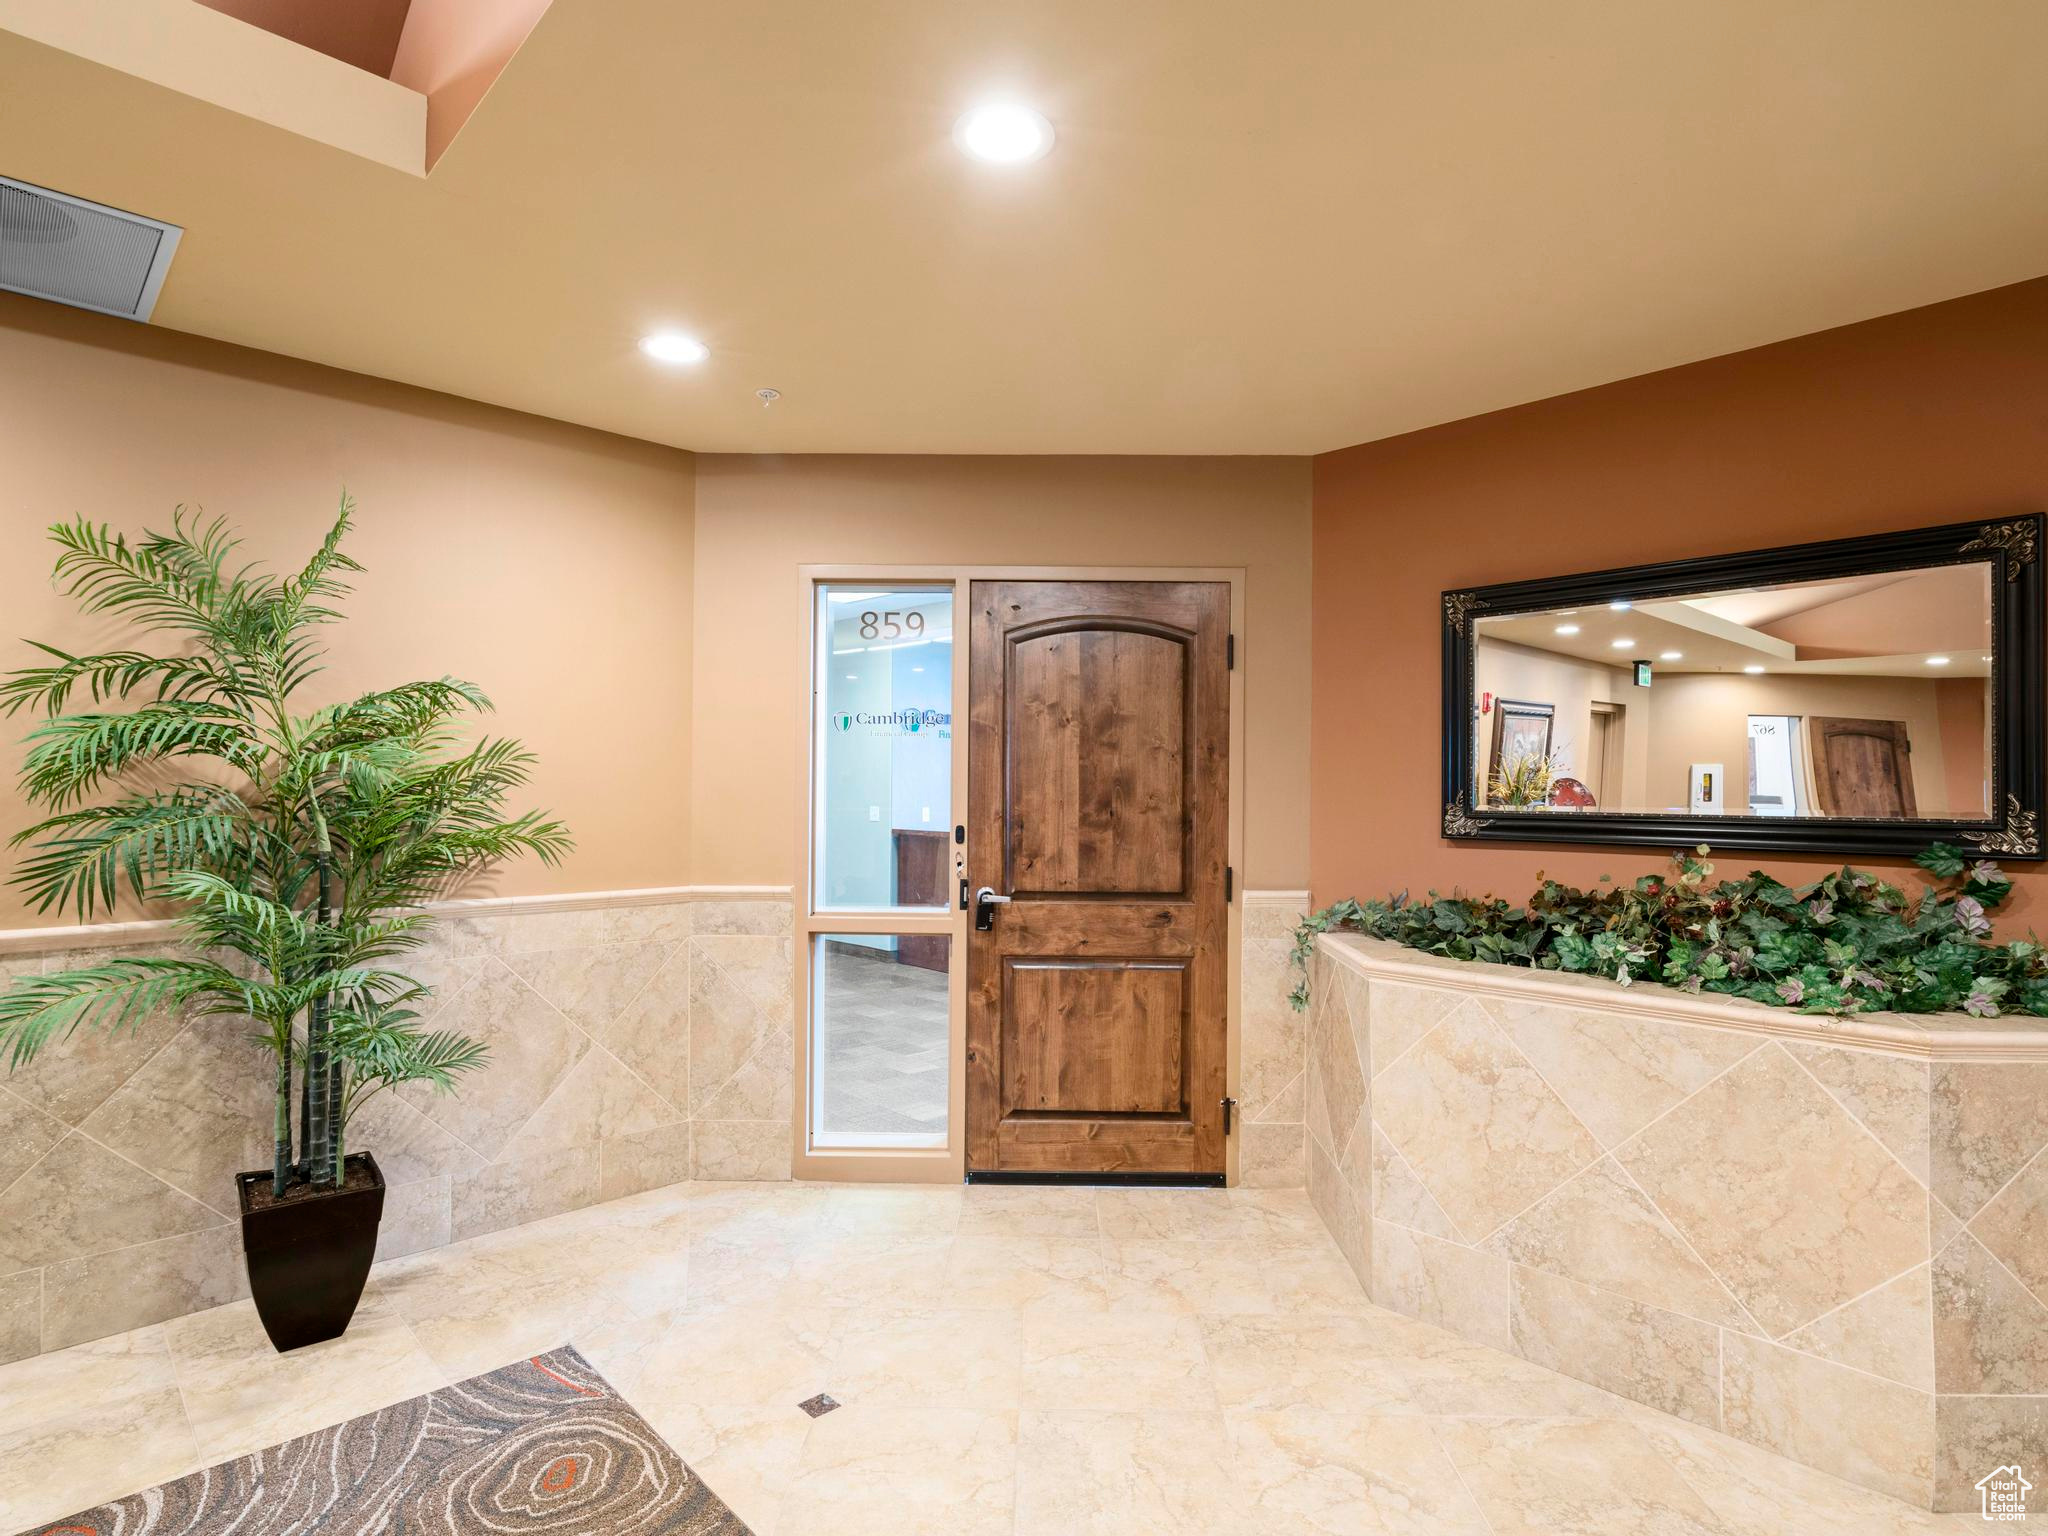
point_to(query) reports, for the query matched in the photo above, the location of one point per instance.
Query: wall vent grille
(75, 252)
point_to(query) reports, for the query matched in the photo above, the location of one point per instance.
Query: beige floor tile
(743, 1356)
(1322, 1362)
(1588, 1477)
(1223, 1278)
(1125, 1474)
(1308, 1279)
(927, 1359)
(1204, 1214)
(874, 1471)
(1279, 1217)
(1004, 1210)
(729, 1268)
(473, 1312)
(1758, 1494)
(107, 1446)
(242, 1395)
(747, 1456)
(892, 1210)
(1010, 1273)
(1115, 1362)
(47, 1387)
(1333, 1475)
(877, 1273)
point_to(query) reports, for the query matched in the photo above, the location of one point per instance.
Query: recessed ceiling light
(1621, 605)
(1937, 661)
(674, 347)
(1752, 671)
(1671, 655)
(1003, 133)
(1567, 629)
(1624, 645)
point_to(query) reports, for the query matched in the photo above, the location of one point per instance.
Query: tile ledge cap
(164, 930)
(1955, 1037)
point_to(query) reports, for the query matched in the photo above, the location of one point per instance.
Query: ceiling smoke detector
(69, 251)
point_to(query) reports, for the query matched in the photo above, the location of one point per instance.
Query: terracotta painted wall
(548, 563)
(1936, 415)
(761, 517)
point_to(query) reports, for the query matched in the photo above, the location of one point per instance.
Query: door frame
(948, 1164)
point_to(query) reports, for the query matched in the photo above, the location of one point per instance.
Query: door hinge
(1230, 653)
(1229, 885)
(1229, 1113)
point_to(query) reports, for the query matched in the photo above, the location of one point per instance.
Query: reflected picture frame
(2015, 549)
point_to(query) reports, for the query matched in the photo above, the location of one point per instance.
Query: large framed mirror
(1868, 695)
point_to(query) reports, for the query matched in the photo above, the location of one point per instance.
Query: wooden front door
(1863, 768)
(1098, 777)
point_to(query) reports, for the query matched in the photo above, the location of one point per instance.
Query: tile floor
(885, 1030)
(1023, 1361)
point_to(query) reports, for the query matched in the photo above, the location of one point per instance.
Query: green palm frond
(114, 675)
(172, 582)
(72, 755)
(81, 856)
(113, 995)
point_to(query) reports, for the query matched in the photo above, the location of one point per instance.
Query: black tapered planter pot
(309, 1257)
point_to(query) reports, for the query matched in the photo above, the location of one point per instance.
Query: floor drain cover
(819, 1406)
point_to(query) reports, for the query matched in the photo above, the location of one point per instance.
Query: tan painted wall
(1509, 671)
(1932, 416)
(1703, 717)
(761, 517)
(548, 563)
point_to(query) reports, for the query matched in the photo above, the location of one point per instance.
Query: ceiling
(1874, 626)
(1276, 228)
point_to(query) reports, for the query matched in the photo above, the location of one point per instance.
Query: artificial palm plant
(300, 850)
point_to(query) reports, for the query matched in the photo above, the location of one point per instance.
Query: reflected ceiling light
(674, 347)
(1752, 670)
(1624, 645)
(1003, 133)
(1621, 605)
(1671, 655)
(1567, 629)
(1937, 661)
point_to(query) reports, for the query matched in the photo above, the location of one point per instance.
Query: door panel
(1097, 784)
(1098, 1037)
(1864, 768)
(1097, 793)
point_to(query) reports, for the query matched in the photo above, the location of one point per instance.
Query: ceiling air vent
(75, 252)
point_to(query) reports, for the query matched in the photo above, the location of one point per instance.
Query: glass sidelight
(884, 732)
(880, 1002)
(879, 1032)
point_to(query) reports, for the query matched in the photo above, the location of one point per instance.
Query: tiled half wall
(632, 1045)
(1272, 1076)
(1794, 1230)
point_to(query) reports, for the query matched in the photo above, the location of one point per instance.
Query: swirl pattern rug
(544, 1446)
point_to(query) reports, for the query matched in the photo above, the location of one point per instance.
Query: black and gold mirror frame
(1889, 604)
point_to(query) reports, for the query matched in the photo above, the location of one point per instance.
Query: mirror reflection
(1860, 696)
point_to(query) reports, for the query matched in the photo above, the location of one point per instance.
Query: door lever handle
(985, 903)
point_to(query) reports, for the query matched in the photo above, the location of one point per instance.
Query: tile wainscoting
(636, 1041)
(1272, 1151)
(1828, 1237)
